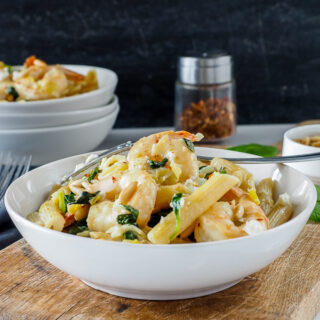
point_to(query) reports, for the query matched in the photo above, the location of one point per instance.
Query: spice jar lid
(205, 69)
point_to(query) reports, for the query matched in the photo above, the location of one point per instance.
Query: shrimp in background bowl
(161, 193)
(37, 80)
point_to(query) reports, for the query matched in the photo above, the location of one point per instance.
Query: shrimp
(225, 220)
(170, 145)
(138, 190)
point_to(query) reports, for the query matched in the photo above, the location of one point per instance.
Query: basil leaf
(176, 205)
(189, 144)
(257, 149)
(130, 235)
(93, 173)
(318, 192)
(315, 215)
(130, 218)
(157, 164)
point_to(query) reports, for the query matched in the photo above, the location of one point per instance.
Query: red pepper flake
(86, 175)
(114, 179)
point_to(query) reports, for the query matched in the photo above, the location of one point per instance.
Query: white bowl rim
(114, 100)
(300, 128)
(66, 236)
(63, 127)
(70, 98)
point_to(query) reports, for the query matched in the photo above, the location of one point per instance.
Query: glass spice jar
(205, 96)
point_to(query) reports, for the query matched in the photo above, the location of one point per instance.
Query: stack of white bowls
(58, 128)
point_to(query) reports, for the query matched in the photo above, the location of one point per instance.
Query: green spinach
(157, 164)
(176, 205)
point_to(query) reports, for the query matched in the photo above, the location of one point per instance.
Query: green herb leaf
(130, 218)
(156, 217)
(315, 215)
(69, 198)
(318, 192)
(62, 202)
(130, 235)
(157, 164)
(257, 149)
(202, 167)
(189, 144)
(78, 227)
(84, 198)
(208, 175)
(13, 92)
(222, 170)
(93, 173)
(176, 205)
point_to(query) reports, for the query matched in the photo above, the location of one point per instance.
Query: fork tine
(5, 168)
(7, 180)
(18, 168)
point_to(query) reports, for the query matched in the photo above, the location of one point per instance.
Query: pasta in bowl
(160, 193)
(161, 271)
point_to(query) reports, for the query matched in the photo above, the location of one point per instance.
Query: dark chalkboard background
(275, 45)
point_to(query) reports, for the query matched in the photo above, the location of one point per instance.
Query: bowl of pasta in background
(152, 271)
(26, 120)
(51, 143)
(292, 147)
(107, 82)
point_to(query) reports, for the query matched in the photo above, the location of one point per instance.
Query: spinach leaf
(78, 227)
(84, 198)
(315, 215)
(257, 149)
(130, 235)
(130, 218)
(13, 93)
(93, 173)
(62, 202)
(176, 205)
(69, 198)
(157, 164)
(222, 170)
(10, 70)
(189, 144)
(156, 217)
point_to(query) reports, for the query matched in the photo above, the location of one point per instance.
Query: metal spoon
(127, 146)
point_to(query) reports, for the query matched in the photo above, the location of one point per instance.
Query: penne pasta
(195, 204)
(281, 212)
(265, 194)
(51, 216)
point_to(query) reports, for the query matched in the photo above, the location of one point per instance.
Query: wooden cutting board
(289, 288)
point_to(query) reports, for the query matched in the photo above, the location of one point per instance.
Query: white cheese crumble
(253, 227)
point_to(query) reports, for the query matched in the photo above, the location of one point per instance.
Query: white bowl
(160, 272)
(291, 147)
(107, 80)
(49, 144)
(28, 120)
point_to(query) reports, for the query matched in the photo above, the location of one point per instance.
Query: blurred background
(273, 43)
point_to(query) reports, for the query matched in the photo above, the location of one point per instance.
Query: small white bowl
(107, 80)
(49, 144)
(291, 147)
(159, 272)
(28, 120)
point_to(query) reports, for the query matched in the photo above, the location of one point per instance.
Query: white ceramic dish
(158, 272)
(49, 144)
(53, 119)
(107, 83)
(291, 147)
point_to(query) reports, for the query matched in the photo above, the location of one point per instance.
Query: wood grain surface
(289, 288)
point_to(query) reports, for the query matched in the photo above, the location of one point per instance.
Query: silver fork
(11, 168)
